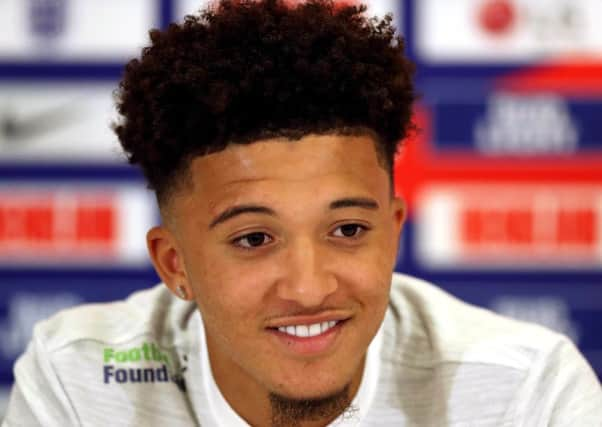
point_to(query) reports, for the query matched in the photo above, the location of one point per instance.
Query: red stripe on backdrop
(418, 165)
(575, 76)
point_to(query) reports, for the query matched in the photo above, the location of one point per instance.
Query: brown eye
(349, 230)
(252, 240)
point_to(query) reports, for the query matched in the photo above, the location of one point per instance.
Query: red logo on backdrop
(552, 229)
(510, 224)
(53, 225)
(497, 17)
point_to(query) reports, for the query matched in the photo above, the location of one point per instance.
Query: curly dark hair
(246, 70)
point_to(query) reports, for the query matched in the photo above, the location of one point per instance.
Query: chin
(320, 388)
(314, 394)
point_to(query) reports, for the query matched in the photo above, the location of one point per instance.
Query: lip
(308, 346)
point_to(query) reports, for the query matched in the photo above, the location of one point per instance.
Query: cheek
(368, 275)
(227, 287)
(377, 258)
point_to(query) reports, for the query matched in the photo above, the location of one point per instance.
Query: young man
(268, 132)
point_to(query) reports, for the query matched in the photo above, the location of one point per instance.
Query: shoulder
(131, 355)
(449, 329)
(487, 366)
(153, 312)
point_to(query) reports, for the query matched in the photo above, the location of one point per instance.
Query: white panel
(92, 30)
(39, 224)
(513, 225)
(59, 122)
(188, 7)
(437, 227)
(375, 7)
(136, 217)
(507, 30)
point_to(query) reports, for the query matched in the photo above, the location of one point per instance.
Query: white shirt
(435, 362)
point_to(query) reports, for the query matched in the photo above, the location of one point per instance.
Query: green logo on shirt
(146, 352)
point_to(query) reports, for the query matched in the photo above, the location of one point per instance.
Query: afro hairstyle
(243, 70)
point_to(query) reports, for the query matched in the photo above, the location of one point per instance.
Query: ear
(398, 211)
(168, 262)
(398, 216)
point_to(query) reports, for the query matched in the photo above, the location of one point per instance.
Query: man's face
(281, 239)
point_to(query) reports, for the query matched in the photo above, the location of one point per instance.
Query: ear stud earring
(181, 291)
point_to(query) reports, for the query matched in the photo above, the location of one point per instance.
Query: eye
(252, 240)
(349, 230)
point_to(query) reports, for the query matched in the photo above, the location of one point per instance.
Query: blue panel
(455, 123)
(25, 300)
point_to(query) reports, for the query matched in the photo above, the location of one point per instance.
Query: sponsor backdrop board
(61, 122)
(74, 30)
(481, 31)
(503, 180)
(72, 225)
(375, 7)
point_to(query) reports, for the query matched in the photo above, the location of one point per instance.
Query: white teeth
(302, 330)
(307, 330)
(314, 329)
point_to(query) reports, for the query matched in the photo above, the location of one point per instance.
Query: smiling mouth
(308, 339)
(307, 331)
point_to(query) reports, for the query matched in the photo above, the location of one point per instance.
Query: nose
(304, 279)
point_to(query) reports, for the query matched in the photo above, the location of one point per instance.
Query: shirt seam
(113, 342)
(41, 343)
(459, 362)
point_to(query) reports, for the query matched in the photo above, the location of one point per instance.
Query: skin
(303, 264)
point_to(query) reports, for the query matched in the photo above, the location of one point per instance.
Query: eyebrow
(348, 202)
(355, 202)
(239, 210)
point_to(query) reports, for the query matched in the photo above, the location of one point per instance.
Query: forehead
(287, 159)
(279, 168)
